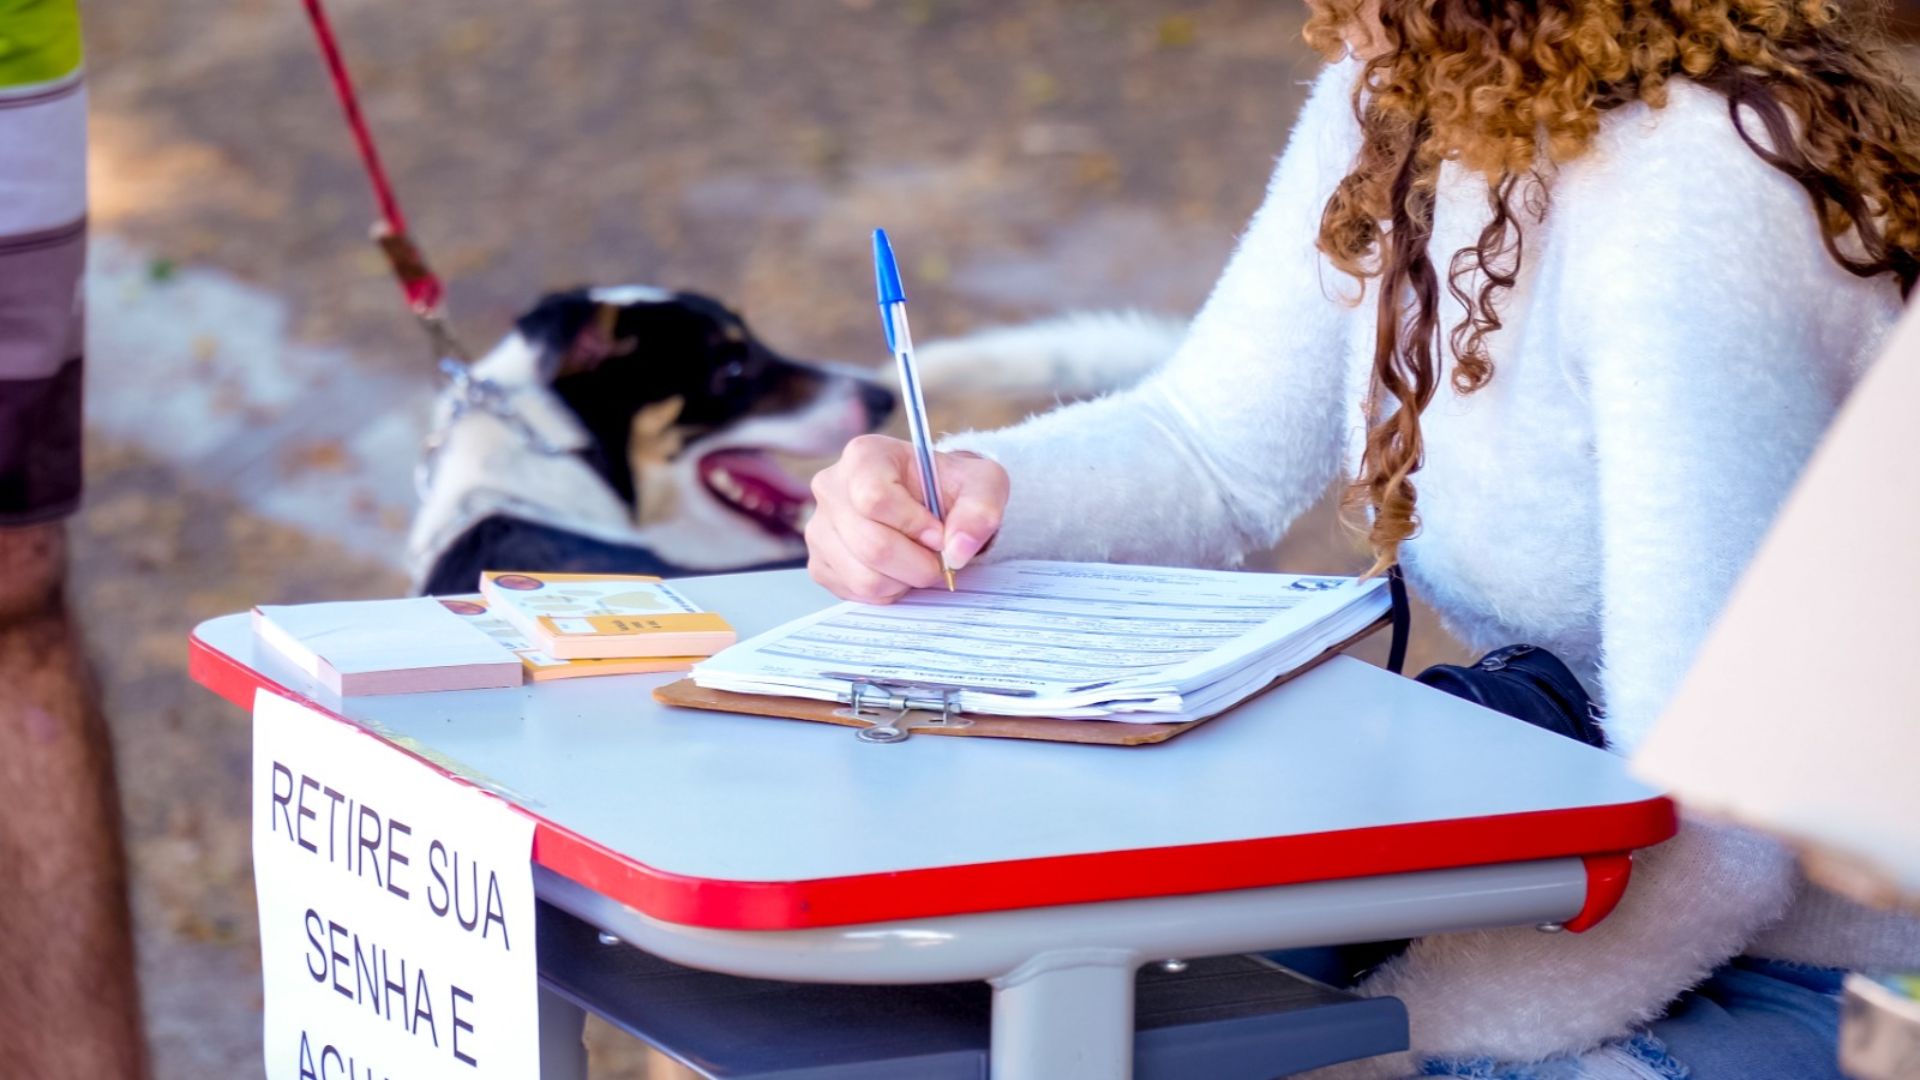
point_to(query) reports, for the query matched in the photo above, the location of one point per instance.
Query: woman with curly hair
(1568, 290)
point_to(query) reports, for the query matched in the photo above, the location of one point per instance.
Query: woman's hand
(871, 539)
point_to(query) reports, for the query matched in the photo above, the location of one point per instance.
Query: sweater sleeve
(1216, 453)
(1718, 338)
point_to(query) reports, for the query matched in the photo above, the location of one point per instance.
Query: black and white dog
(629, 430)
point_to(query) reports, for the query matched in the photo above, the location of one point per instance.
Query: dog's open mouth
(754, 485)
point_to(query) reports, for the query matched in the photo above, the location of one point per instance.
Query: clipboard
(890, 712)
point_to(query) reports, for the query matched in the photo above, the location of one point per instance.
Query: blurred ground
(255, 385)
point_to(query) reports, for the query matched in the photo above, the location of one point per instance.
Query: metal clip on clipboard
(890, 701)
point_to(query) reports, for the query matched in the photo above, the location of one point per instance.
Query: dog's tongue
(756, 467)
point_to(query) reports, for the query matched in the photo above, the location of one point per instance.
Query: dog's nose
(878, 401)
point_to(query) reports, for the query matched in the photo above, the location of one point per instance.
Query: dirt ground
(1028, 156)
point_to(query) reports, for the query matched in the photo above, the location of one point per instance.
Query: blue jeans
(1750, 1020)
(1756, 1020)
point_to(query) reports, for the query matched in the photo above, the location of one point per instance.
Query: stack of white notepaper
(1077, 640)
(408, 646)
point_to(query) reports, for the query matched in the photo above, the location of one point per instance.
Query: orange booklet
(604, 616)
(540, 666)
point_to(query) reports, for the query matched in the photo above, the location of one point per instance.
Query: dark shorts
(43, 249)
(40, 373)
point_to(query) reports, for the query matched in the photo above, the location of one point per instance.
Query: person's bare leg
(69, 1005)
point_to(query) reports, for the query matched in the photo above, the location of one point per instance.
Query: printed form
(1085, 640)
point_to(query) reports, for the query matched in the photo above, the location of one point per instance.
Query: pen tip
(948, 574)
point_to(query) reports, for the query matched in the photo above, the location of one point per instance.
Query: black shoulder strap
(1397, 649)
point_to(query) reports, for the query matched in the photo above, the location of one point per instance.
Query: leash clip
(465, 393)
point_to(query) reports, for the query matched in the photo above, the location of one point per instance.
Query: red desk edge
(1606, 835)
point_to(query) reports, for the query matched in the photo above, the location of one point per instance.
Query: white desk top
(670, 809)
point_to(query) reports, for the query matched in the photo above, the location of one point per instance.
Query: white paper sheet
(396, 910)
(1090, 640)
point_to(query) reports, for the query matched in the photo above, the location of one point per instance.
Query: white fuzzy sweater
(1676, 343)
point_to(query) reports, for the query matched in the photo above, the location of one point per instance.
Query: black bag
(1525, 682)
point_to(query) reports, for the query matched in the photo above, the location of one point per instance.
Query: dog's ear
(597, 342)
(573, 332)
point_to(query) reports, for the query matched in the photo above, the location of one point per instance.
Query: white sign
(396, 911)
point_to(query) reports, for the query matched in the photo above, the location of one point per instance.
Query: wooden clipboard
(685, 695)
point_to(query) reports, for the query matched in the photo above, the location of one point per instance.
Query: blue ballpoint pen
(893, 317)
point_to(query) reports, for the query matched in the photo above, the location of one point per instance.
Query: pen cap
(886, 273)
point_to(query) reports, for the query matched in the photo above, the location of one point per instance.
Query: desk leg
(1065, 1015)
(563, 1049)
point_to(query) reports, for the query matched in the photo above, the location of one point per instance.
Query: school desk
(1349, 805)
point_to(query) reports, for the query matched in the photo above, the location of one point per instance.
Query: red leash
(421, 286)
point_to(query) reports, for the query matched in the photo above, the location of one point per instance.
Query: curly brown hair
(1507, 88)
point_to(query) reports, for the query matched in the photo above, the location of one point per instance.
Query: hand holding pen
(877, 528)
(893, 318)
